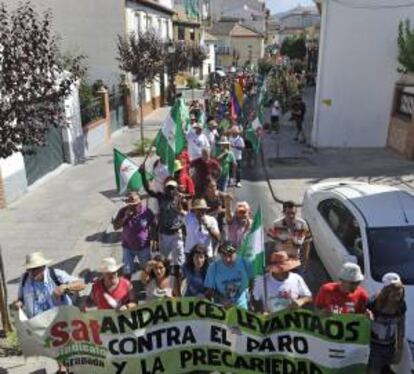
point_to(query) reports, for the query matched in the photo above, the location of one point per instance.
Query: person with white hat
(388, 308)
(345, 296)
(42, 287)
(111, 291)
(196, 141)
(280, 288)
(170, 219)
(200, 228)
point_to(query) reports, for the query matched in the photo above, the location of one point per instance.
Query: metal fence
(405, 104)
(94, 111)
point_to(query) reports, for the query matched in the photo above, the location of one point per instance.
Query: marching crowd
(189, 243)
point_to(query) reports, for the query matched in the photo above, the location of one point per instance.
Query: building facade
(237, 45)
(357, 72)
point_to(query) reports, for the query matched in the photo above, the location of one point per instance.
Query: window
(345, 226)
(192, 34)
(181, 32)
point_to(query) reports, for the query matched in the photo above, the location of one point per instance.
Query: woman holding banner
(194, 272)
(387, 327)
(159, 283)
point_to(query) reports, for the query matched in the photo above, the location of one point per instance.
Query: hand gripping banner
(182, 335)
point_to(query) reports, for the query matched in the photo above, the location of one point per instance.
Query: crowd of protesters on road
(189, 244)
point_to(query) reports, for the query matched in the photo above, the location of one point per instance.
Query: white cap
(391, 278)
(351, 272)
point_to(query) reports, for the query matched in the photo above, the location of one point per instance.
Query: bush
(142, 148)
(193, 82)
(406, 45)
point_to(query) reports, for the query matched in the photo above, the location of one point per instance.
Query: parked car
(372, 225)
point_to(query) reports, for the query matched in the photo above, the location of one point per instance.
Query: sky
(277, 6)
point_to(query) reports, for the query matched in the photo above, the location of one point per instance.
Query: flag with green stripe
(253, 247)
(127, 176)
(170, 140)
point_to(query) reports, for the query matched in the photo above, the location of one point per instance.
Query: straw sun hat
(36, 260)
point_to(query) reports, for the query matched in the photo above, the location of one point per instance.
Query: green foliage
(12, 345)
(282, 85)
(264, 66)
(294, 47)
(193, 82)
(141, 148)
(406, 45)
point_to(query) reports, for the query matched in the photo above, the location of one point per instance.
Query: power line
(373, 7)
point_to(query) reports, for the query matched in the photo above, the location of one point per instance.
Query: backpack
(52, 273)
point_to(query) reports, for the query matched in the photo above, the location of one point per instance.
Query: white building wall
(13, 173)
(90, 28)
(357, 72)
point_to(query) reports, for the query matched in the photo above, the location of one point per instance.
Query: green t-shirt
(226, 163)
(224, 124)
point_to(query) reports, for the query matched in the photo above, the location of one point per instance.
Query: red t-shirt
(332, 299)
(120, 294)
(186, 183)
(205, 168)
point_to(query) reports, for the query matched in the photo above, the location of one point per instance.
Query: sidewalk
(67, 216)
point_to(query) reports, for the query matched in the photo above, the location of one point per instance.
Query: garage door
(45, 159)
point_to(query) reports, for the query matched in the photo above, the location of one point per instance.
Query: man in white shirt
(212, 133)
(280, 288)
(274, 116)
(197, 141)
(200, 228)
(236, 146)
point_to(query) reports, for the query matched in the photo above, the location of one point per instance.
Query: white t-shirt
(275, 109)
(160, 175)
(237, 142)
(212, 135)
(198, 234)
(196, 143)
(280, 293)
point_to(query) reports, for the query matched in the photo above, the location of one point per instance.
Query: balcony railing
(405, 104)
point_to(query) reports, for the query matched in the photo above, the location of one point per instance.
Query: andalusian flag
(127, 176)
(253, 246)
(170, 140)
(253, 134)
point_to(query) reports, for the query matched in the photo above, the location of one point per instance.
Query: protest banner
(181, 335)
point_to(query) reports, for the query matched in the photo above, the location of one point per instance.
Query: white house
(209, 64)
(141, 16)
(357, 71)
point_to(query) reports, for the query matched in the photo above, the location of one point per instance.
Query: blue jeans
(222, 183)
(135, 260)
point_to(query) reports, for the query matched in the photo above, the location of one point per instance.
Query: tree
(264, 66)
(142, 56)
(294, 47)
(33, 81)
(197, 55)
(33, 84)
(406, 45)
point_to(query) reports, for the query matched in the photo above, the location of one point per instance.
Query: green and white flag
(253, 132)
(170, 139)
(127, 176)
(253, 247)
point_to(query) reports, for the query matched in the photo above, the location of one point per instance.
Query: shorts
(172, 247)
(135, 260)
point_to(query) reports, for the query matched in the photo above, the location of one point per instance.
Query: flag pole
(265, 293)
